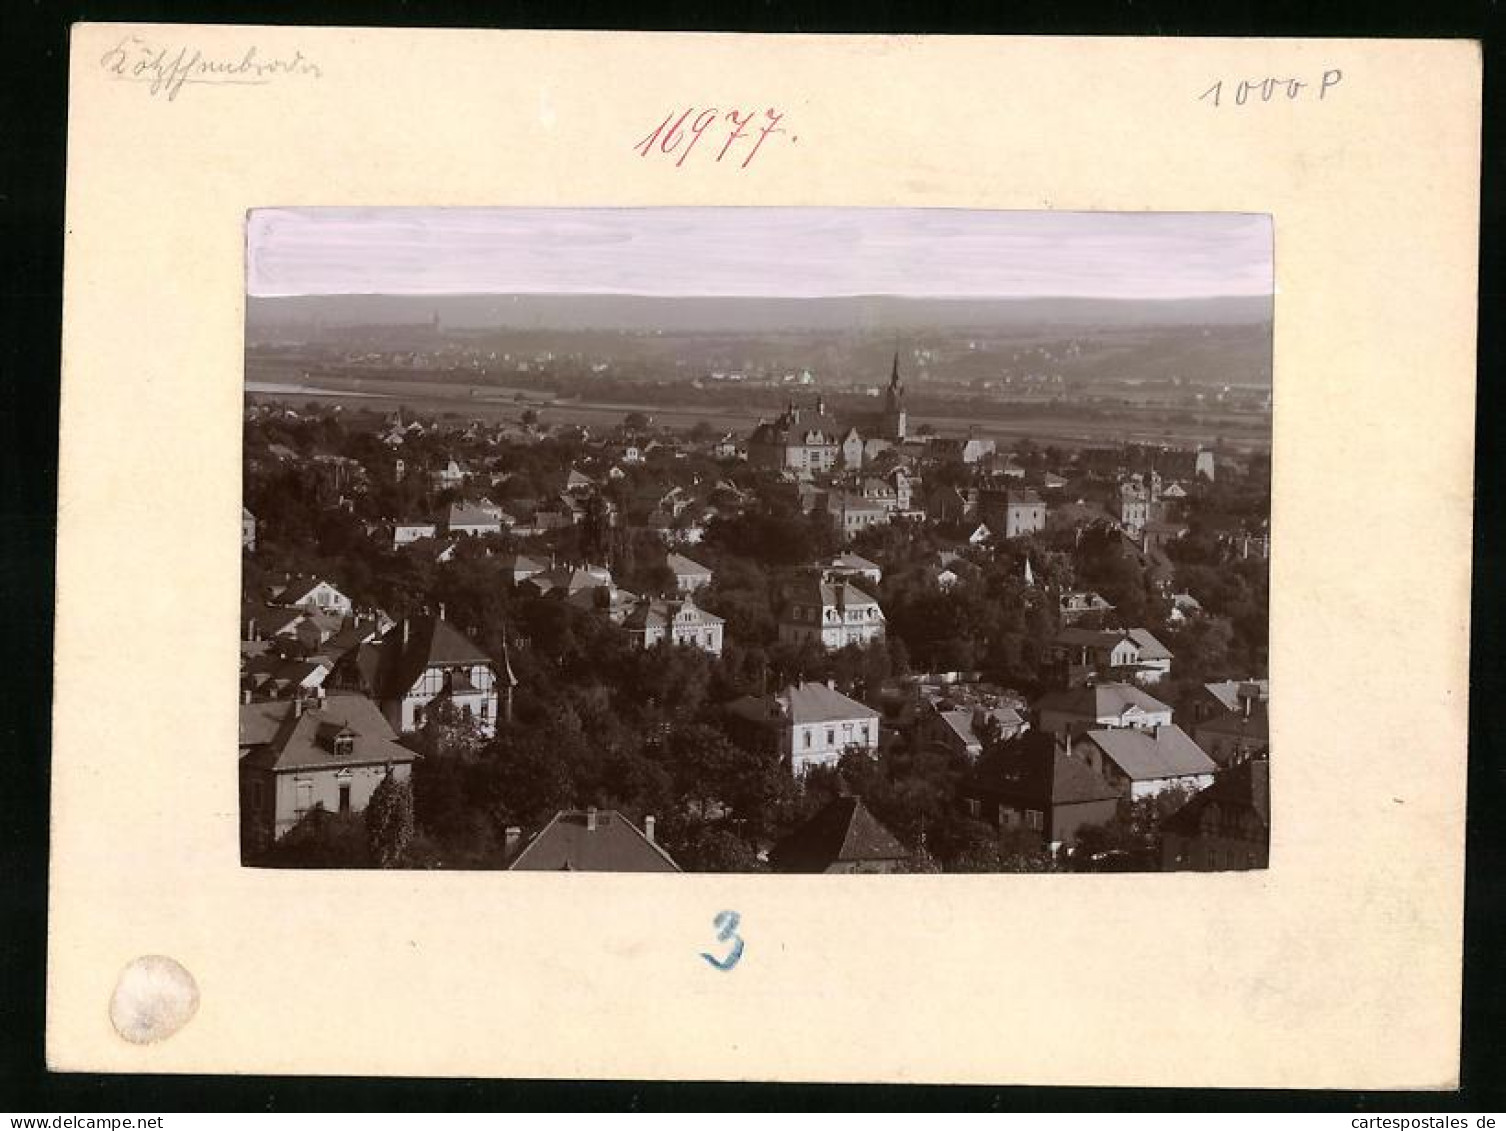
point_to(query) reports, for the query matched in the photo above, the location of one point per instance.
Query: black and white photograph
(789, 540)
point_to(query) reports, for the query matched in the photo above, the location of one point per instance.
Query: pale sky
(794, 252)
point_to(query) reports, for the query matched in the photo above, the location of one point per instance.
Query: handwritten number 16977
(681, 132)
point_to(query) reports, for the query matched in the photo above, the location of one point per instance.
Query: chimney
(441, 610)
(405, 632)
(298, 708)
(510, 840)
(591, 819)
(831, 685)
(648, 829)
(246, 695)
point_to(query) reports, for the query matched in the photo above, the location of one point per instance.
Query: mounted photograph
(767, 540)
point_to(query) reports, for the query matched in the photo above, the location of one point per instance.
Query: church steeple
(894, 405)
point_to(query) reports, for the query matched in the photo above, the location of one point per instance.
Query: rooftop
(1147, 755)
(579, 840)
(843, 832)
(284, 735)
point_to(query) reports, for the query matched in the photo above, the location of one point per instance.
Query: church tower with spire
(893, 425)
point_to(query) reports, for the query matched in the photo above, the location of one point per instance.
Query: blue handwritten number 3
(726, 931)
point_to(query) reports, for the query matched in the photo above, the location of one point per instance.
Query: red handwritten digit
(644, 146)
(771, 128)
(668, 146)
(698, 127)
(741, 124)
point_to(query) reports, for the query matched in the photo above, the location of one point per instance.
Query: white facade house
(831, 613)
(678, 622)
(405, 533)
(1104, 706)
(689, 575)
(421, 662)
(305, 591)
(814, 724)
(1145, 762)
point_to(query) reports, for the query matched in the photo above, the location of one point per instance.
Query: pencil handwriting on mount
(1270, 89)
(167, 69)
(741, 133)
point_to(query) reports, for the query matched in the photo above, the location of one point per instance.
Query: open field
(1004, 422)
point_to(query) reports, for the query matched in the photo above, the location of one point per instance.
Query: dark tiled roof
(1089, 637)
(1102, 701)
(391, 667)
(569, 844)
(1245, 786)
(844, 832)
(1037, 769)
(1228, 691)
(279, 737)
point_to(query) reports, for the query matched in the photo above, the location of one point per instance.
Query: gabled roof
(681, 566)
(1089, 638)
(468, 514)
(855, 562)
(293, 590)
(514, 563)
(839, 594)
(1150, 647)
(817, 703)
(1102, 701)
(1037, 768)
(270, 620)
(568, 843)
(1165, 752)
(279, 737)
(962, 721)
(843, 832)
(570, 579)
(392, 667)
(1228, 691)
(1245, 786)
(662, 613)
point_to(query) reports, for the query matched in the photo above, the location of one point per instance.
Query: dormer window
(345, 745)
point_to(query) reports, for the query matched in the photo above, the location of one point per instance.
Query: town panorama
(880, 598)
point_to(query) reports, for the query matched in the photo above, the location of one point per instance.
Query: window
(345, 797)
(345, 745)
(807, 740)
(305, 798)
(1033, 819)
(831, 736)
(486, 709)
(863, 732)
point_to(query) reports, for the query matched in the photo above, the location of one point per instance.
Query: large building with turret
(811, 439)
(799, 439)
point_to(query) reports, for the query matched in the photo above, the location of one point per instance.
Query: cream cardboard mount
(1337, 967)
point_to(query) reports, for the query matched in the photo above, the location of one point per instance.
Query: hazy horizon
(711, 313)
(758, 253)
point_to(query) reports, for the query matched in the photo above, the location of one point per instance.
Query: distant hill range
(646, 314)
